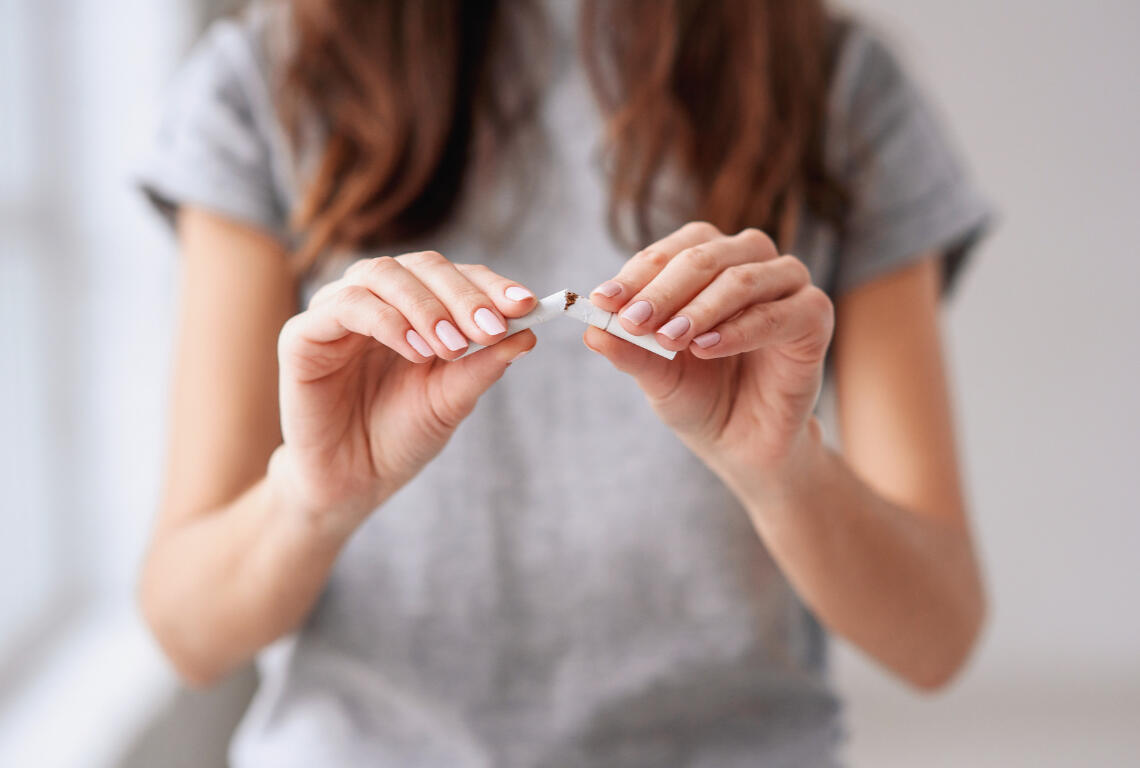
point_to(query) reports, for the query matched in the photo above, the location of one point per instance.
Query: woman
(598, 556)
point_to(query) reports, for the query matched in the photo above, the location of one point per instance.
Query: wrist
(327, 521)
(780, 480)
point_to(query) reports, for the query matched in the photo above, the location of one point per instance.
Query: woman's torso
(565, 584)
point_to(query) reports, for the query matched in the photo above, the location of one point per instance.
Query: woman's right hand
(369, 394)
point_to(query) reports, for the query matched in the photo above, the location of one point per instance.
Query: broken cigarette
(580, 308)
(570, 304)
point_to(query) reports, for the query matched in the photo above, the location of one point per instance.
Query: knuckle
(701, 229)
(700, 311)
(349, 296)
(768, 320)
(732, 336)
(389, 315)
(800, 272)
(755, 238)
(423, 259)
(652, 258)
(450, 414)
(479, 269)
(820, 305)
(447, 411)
(379, 268)
(744, 276)
(699, 259)
(426, 304)
(750, 235)
(469, 296)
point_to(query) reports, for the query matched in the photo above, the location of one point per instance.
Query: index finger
(645, 265)
(509, 297)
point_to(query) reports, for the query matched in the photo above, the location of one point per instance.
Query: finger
(474, 312)
(325, 292)
(426, 313)
(655, 374)
(455, 391)
(303, 346)
(734, 289)
(613, 294)
(686, 274)
(802, 322)
(511, 299)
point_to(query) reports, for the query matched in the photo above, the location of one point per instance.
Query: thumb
(656, 375)
(460, 383)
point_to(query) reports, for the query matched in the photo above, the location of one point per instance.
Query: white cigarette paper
(547, 309)
(570, 304)
(580, 308)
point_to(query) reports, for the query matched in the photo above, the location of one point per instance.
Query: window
(86, 316)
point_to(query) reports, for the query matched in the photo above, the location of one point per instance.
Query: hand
(752, 331)
(368, 395)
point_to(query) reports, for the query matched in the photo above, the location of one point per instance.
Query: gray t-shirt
(565, 585)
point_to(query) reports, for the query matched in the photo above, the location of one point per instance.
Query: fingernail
(418, 344)
(489, 322)
(609, 289)
(518, 293)
(450, 336)
(675, 328)
(638, 312)
(520, 354)
(706, 340)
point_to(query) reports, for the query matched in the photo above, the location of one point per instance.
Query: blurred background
(1044, 336)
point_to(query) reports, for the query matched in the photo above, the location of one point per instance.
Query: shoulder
(866, 65)
(910, 191)
(237, 61)
(870, 88)
(220, 144)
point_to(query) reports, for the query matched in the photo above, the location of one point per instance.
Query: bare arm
(879, 545)
(222, 542)
(876, 544)
(259, 499)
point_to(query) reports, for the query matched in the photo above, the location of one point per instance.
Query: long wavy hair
(730, 94)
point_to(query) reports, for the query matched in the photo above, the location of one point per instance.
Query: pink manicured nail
(520, 354)
(638, 312)
(706, 340)
(675, 328)
(450, 336)
(486, 319)
(518, 293)
(609, 289)
(418, 344)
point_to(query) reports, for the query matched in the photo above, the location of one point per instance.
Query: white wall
(1045, 340)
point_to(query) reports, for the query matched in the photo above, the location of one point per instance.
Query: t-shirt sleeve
(909, 193)
(210, 150)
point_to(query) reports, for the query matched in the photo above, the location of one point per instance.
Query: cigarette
(547, 309)
(570, 304)
(580, 308)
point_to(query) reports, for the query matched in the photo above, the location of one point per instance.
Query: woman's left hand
(752, 332)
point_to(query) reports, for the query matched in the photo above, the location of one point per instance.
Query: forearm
(220, 586)
(902, 586)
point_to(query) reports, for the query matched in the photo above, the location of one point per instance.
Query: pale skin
(275, 461)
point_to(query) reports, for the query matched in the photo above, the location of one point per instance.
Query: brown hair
(730, 93)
